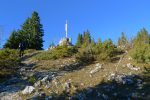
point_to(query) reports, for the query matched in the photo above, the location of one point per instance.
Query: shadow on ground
(136, 87)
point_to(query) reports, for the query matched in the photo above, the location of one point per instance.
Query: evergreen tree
(98, 46)
(31, 33)
(142, 37)
(37, 32)
(99, 42)
(107, 50)
(122, 41)
(26, 32)
(13, 41)
(86, 38)
(79, 40)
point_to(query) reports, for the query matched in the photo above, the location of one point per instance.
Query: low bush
(9, 58)
(105, 51)
(58, 52)
(85, 55)
(9, 62)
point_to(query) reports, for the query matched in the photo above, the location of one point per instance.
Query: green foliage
(58, 52)
(31, 34)
(13, 41)
(97, 51)
(85, 55)
(141, 53)
(29, 51)
(9, 59)
(107, 50)
(79, 40)
(142, 37)
(32, 79)
(122, 41)
(86, 38)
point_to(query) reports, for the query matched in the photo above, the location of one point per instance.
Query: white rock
(129, 58)
(37, 84)
(132, 67)
(44, 79)
(96, 69)
(28, 90)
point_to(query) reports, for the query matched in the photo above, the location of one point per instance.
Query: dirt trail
(10, 88)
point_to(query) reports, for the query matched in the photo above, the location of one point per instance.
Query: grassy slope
(80, 78)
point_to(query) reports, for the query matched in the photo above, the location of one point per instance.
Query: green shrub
(106, 51)
(85, 55)
(102, 51)
(32, 79)
(141, 53)
(58, 52)
(9, 58)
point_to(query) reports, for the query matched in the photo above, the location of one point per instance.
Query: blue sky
(104, 18)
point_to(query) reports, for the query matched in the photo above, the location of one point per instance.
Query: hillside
(69, 79)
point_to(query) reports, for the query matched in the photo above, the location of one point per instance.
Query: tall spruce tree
(26, 31)
(31, 33)
(37, 32)
(79, 40)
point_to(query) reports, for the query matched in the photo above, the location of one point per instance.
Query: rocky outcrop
(28, 90)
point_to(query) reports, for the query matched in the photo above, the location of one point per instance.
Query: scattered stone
(45, 79)
(81, 96)
(47, 86)
(98, 66)
(55, 81)
(82, 84)
(132, 67)
(9, 96)
(98, 94)
(105, 97)
(130, 58)
(39, 96)
(67, 86)
(38, 84)
(42, 95)
(28, 90)
(121, 78)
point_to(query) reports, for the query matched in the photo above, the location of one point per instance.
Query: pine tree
(13, 41)
(86, 38)
(37, 32)
(79, 40)
(142, 37)
(122, 41)
(31, 33)
(26, 32)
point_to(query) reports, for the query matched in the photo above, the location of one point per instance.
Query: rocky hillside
(69, 79)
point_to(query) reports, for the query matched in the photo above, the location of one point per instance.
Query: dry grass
(81, 79)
